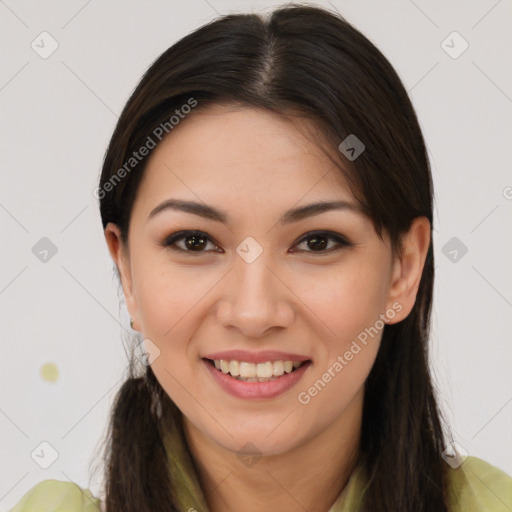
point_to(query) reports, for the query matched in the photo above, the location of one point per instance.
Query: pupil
(195, 237)
(319, 245)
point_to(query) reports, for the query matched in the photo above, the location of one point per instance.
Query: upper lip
(255, 357)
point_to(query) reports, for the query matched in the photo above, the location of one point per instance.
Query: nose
(255, 298)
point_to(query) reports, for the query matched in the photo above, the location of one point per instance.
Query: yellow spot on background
(49, 372)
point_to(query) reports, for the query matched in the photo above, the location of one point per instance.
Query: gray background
(57, 116)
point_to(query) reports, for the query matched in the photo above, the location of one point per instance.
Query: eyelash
(171, 240)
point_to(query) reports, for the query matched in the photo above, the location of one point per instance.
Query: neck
(308, 477)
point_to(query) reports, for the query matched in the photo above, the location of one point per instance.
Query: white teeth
(288, 366)
(247, 369)
(234, 368)
(253, 372)
(264, 369)
(278, 368)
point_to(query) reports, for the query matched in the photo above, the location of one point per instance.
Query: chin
(258, 442)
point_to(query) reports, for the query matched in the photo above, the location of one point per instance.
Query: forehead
(227, 153)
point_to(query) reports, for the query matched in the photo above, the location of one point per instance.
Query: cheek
(345, 300)
(167, 296)
(171, 304)
(347, 304)
(349, 333)
(169, 301)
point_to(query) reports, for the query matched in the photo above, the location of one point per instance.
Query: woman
(267, 200)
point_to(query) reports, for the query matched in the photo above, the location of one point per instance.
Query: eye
(197, 241)
(319, 241)
(194, 241)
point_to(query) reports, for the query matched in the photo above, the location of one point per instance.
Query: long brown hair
(307, 60)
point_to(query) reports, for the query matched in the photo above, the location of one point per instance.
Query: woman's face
(256, 283)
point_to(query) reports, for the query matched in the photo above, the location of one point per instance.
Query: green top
(477, 486)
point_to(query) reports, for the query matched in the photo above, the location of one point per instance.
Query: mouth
(256, 372)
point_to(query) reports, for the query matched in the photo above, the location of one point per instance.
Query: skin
(255, 165)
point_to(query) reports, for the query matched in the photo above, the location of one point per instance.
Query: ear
(408, 268)
(120, 255)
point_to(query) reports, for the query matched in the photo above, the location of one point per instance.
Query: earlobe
(119, 254)
(408, 267)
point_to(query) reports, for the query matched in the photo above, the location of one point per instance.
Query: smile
(256, 372)
(256, 380)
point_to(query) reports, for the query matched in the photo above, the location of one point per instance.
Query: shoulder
(477, 486)
(58, 496)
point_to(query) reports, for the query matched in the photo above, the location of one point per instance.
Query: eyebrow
(293, 215)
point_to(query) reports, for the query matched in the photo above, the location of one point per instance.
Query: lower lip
(255, 390)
